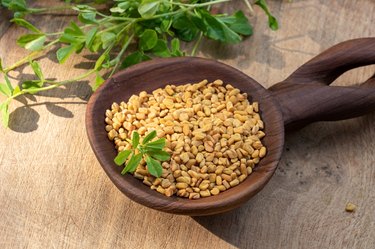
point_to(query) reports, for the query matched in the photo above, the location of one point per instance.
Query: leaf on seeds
(22, 22)
(160, 155)
(32, 42)
(132, 163)
(149, 137)
(135, 139)
(121, 157)
(148, 8)
(154, 166)
(272, 21)
(157, 144)
(148, 40)
(63, 53)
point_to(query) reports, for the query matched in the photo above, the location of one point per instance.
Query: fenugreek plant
(151, 151)
(157, 27)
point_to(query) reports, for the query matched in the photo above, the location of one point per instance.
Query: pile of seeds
(213, 136)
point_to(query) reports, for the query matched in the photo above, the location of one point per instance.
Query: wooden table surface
(54, 194)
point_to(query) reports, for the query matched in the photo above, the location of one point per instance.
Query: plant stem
(196, 45)
(118, 57)
(30, 56)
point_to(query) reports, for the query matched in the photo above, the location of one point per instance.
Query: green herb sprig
(155, 27)
(151, 151)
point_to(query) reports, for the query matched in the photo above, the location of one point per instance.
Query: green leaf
(26, 24)
(98, 81)
(148, 40)
(100, 61)
(132, 163)
(5, 90)
(135, 139)
(16, 90)
(218, 30)
(184, 28)
(157, 144)
(272, 21)
(17, 5)
(121, 157)
(9, 84)
(63, 53)
(74, 29)
(149, 137)
(107, 38)
(32, 42)
(148, 8)
(87, 17)
(32, 86)
(161, 49)
(238, 23)
(4, 109)
(175, 44)
(37, 70)
(154, 167)
(160, 155)
(90, 38)
(134, 58)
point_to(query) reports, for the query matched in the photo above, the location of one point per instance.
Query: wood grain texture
(54, 194)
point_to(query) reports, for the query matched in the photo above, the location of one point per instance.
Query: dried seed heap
(213, 136)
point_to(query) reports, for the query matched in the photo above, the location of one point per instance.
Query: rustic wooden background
(54, 194)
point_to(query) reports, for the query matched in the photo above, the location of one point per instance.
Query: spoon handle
(306, 97)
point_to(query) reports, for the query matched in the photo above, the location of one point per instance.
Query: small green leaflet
(6, 88)
(148, 40)
(161, 49)
(149, 137)
(148, 8)
(63, 53)
(120, 159)
(134, 58)
(238, 23)
(132, 163)
(87, 17)
(100, 61)
(22, 22)
(272, 21)
(107, 39)
(37, 70)
(4, 109)
(157, 144)
(159, 155)
(135, 139)
(32, 42)
(90, 38)
(154, 166)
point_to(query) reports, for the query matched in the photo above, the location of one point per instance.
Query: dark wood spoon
(304, 97)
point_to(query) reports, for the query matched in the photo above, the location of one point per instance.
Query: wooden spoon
(304, 97)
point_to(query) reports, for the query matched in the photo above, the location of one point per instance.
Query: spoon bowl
(302, 98)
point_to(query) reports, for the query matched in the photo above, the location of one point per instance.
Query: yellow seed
(350, 207)
(235, 182)
(262, 152)
(215, 191)
(181, 185)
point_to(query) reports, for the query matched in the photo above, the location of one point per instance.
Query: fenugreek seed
(165, 183)
(222, 188)
(241, 178)
(262, 152)
(169, 192)
(204, 169)
(255, 154)
(226, 184)
(255, 106)
(156, 182)
(350, 207)
(211, 168)
(233, 183)
(249, 170)
(205, 193)
(203, 186)
(226, 177)
(227, 171)
(147, 182)
(219, 180)
(184, 179)
(219, 170)
(160, 189)
(181, 185)
(112, 134)
(194, 196)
